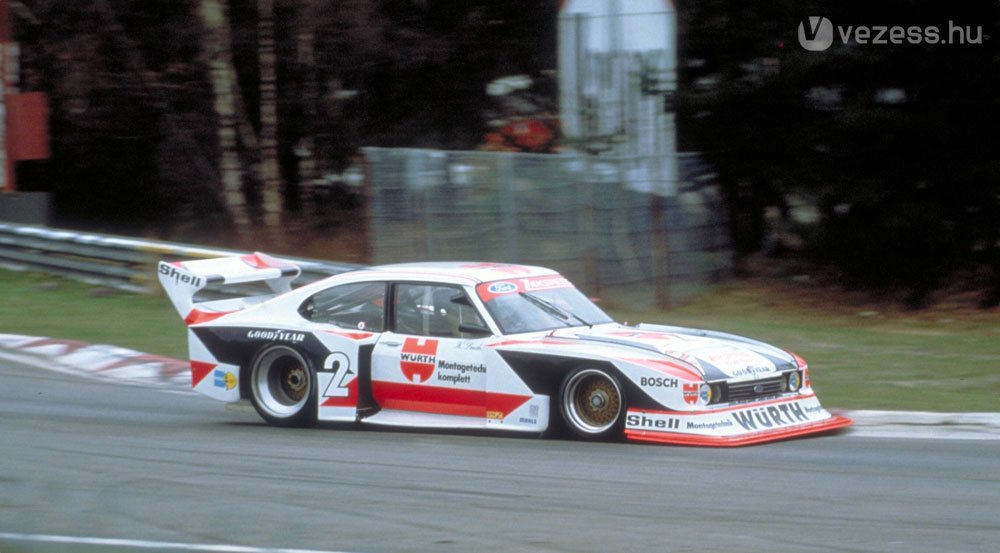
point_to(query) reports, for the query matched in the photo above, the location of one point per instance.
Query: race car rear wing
(182, 280)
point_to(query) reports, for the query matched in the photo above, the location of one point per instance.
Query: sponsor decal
(532, 417)
(489, 290)
(691, 394)
(642, 421)
(181, 277)
(658, 382)
(545, 283)
(502, 288)
(773, 416)
(715, 425)
(495, 415)
(457, 371)
(739, 363)
(418, 358)
(748, 371)
(224, 379)
(276, 336)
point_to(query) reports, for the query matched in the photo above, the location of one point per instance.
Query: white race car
(478, 346)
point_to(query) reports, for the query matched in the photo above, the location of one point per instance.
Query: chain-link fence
(571, 212)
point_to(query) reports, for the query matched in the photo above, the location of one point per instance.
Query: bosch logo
(658, 382)
(502, 288)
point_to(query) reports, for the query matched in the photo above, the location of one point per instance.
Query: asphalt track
(93, 466)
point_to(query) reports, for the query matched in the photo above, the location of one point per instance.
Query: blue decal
(502, 288)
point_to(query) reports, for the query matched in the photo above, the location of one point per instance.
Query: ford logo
(758, 389)
(502, 287)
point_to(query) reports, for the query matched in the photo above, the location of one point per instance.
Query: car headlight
(794, 381)
(705, 394)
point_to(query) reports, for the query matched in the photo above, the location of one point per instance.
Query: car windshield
(536, 304)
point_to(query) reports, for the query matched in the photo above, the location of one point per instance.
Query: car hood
(716, 355)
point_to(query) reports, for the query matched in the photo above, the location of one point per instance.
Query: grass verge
(862, 355)
(42, 305)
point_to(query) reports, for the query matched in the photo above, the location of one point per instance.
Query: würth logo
(418, 359)
(816, 33)
(691, 394)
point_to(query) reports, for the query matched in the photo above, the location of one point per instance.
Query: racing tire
(592, 404)
(283, 387)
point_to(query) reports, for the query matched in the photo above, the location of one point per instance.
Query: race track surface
(83, 459)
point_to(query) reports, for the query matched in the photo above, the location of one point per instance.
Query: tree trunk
(306, 149)
(270, 177)
(218, 50)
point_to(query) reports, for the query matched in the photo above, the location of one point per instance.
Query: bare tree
(305, 48)
(270, 176)
(218, 51)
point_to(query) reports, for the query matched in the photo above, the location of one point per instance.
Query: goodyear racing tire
(592, 404)
(283, 387)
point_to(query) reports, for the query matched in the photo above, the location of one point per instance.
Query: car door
(430, 358)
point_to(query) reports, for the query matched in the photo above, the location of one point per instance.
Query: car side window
(360, 305)
(436, 310)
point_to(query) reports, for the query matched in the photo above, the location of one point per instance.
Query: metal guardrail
(115, 261)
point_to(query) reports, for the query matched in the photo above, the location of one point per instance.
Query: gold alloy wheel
(591, 402)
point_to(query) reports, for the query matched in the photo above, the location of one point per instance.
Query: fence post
(660, 252)
(508, 205)
(588, 242)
